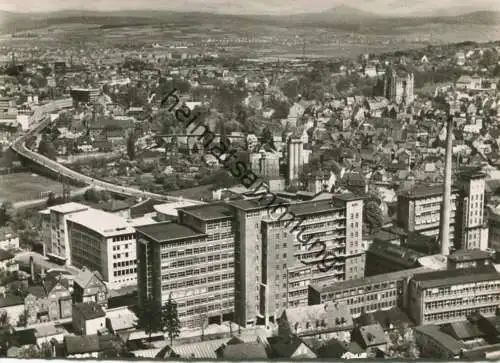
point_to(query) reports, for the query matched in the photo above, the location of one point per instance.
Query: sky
(393, 7)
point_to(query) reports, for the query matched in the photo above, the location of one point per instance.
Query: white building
(104, 242)
(55, 229)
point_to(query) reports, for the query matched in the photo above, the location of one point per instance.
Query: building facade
(366, 295)
(192, 261)
(471, 228)
(398, 86)
(55, 218)
(273, 264)
(441, 297)
(104, 242)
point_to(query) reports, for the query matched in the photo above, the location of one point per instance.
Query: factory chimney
(446, 206)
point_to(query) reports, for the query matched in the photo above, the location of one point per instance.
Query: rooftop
(356, 283)
(310, 207)
(209, 212)
(257, 203)
(447, 341)
(69, 208)
(458, 276)
(172, 208)
(468, 255)
(89, 310)
(169, 231)
(424, 191)
(104, 223)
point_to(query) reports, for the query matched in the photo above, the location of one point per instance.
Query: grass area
(25, 186)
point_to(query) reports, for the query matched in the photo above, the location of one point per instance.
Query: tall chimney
(446, 207)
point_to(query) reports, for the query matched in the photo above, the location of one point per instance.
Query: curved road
(42, 120)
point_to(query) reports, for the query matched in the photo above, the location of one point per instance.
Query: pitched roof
(321, 317)
(462, 330)
(198, 350)
(81, 344)
(372, 335)
(285, 347)
(446, 341)
(89, 310)
(460, 276)
(245, 351)
(85, 276)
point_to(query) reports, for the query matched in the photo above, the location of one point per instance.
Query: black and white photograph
(250, 180)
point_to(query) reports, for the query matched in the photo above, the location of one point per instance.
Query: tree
(131, 152)
(372, 216)
(46, 148)
(5, 213)
(267, 137)
(4, 319)
(402, 344)
(148, 317)
(170, 319)
(23, 319)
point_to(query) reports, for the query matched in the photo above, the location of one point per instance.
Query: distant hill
(342, 17)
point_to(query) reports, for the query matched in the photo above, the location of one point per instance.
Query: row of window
(458, 313)
(197, 250)
(125, 237)
(127, 271)
(124, 263)
(462, 301)
(183, 284)
(117, 247)
(119, 255)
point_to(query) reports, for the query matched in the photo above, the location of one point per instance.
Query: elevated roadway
(42, 119)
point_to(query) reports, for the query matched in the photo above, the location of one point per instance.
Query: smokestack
(446, 207)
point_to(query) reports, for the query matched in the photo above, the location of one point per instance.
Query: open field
(25, 186)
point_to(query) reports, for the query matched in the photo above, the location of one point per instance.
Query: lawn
(25, 186)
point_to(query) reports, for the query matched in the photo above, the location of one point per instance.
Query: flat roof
(458, 276)
(312, 207)
(168, 231)
(467, 255)
(104, 223)
(209, 212)
(171, 208)
(425, 191)
(71, 207)
(356, 283)
(257, 203)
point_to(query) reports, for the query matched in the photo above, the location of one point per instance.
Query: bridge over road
(43, 120)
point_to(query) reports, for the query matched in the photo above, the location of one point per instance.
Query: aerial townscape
(235, 184)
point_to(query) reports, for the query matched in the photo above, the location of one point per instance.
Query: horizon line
(272, 14)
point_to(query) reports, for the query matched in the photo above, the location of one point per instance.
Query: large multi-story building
(494, 228)
(84, 95)
(192, 261)
(369, 294)
(398, 86)
(103, 242)
(55, 229)
(266, 164)
(448, 296)
(273, 266)
(471, 229)
(419, 210)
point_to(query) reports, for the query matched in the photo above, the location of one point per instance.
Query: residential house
(7, 262)
(8, 239)
(289, 348)
(370, 337)
(435, 344)
(337, 349)
(120, 319)
(88, 286)
(49, 301)
(323, 321)
(88, 318)
(241, 351)
(49, 333)
(89, 346)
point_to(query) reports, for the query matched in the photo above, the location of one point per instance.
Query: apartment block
(369, 294)
(193, 261)
(55, 229)
(273, 266)
(471, 227)
(441, 297)
(104, 242)
(419, 210)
